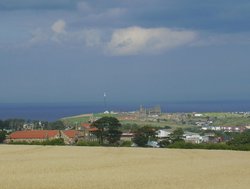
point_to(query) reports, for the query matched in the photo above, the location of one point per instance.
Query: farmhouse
(70, 136)
(33, 135)
(86, 132)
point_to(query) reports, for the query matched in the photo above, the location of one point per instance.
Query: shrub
(164, 143)
(126, 143)
(58, 141)
(88, 143)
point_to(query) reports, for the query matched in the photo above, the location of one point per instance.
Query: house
(194, 138)
(86, 132)
(162, 133)
(224, 128)
(33, 136)
(201, 123)
(127, 136)
(198, 115)
(70, 136)
(28, 126)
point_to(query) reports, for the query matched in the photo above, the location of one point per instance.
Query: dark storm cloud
(223, 16)
(54, 48)
(212, 15)
(37, 4)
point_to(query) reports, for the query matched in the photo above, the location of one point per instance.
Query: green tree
(14, 124)
(177, 135)
(167, 127)
(57, 125)
(241, 139)
(113, 136)
(2, 136)
(1, 125)
(143, 135)
(108, 130)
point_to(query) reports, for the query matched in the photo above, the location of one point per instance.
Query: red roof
(85, 125)
(88, 127)
(93, 129)
(70, 133)
(34, 134)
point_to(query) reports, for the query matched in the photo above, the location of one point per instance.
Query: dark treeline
(18, 124)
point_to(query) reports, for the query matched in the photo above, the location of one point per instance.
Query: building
(127, 136)
(86, 132)
(70, 136)
(150, 111)
(162, 133)
(194, 138)
(33, 136)
(198, 115)
(225, 128)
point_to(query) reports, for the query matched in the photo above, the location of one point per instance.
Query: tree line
(17, 124)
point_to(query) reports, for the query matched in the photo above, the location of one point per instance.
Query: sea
(55, 111)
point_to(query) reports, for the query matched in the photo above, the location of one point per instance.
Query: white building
(162, 133)
(198, 115)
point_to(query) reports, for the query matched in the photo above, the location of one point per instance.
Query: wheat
(43, 167)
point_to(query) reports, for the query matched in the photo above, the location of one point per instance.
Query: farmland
(43, 167)
(174, 120)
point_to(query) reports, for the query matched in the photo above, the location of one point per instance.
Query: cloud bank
(138, 40)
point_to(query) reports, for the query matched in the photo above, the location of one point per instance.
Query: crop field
(68, 167)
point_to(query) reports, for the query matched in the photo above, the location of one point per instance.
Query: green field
(174, 120)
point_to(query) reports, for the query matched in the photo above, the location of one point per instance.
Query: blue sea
(55, 111)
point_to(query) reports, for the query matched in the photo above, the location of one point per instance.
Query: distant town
(164, 128)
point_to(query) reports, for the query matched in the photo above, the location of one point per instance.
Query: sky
(133, 50)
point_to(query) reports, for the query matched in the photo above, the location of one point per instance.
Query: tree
(1, 125)
(143, 135)
(108, 129)
(241, 139)
(13, 124)
(57, 125)
(167, 127)
(177, 135)
(2, 136)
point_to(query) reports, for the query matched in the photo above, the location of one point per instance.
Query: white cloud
(137, 40)
(59, 26)
(118, 42)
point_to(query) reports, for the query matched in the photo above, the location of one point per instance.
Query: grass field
(47, 167)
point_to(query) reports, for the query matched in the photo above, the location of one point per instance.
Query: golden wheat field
(67, 167)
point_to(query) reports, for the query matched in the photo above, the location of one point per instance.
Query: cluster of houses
(190, 137)
(85, 132)
(224, 128)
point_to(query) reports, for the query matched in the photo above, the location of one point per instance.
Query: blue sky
(134, 50)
